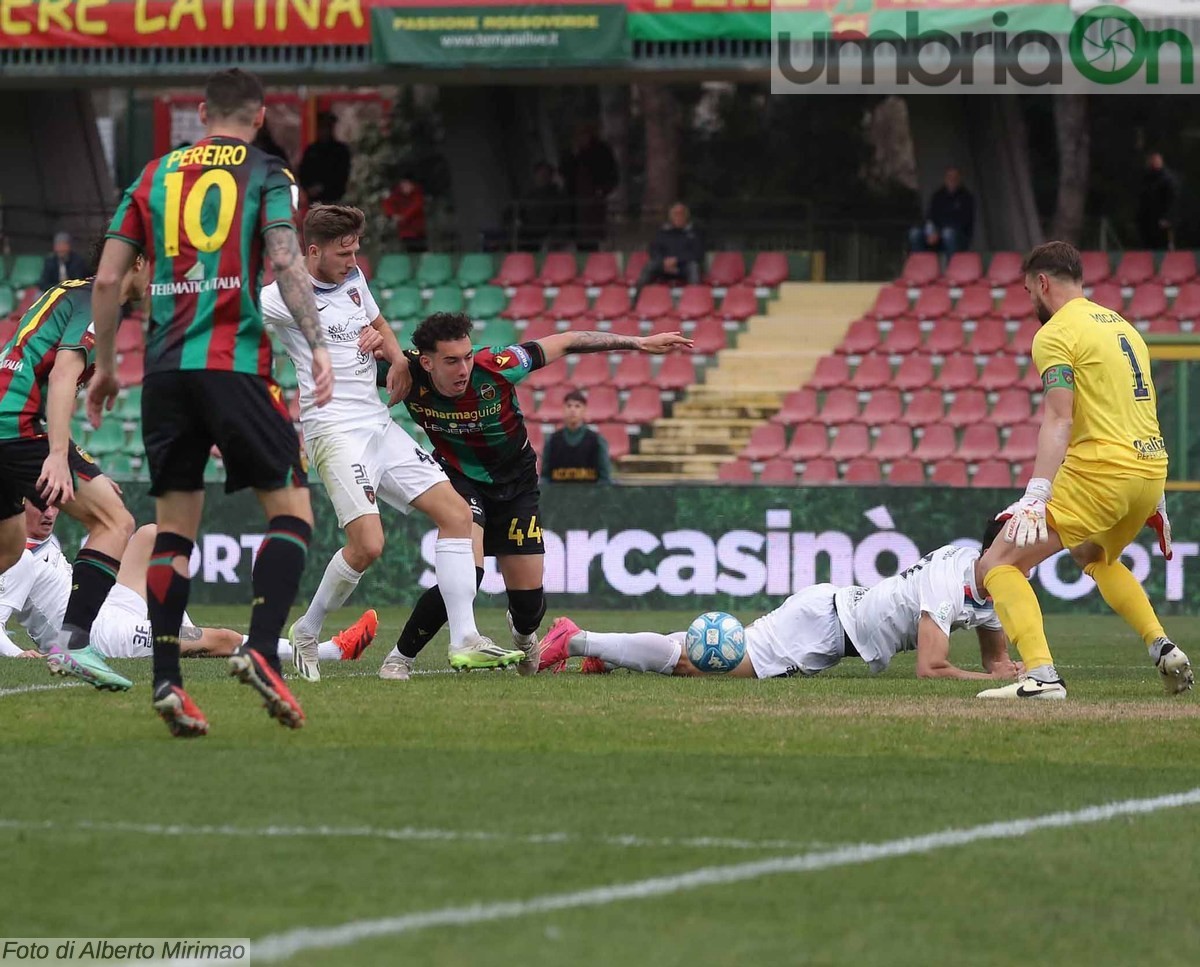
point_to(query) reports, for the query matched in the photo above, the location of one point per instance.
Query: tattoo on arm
(188, 633)
(600, 342)
(294, 286)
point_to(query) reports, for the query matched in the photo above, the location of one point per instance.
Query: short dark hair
(575, 396)
(1060, 259)
(441, 327)
(332, 223)
(994, 526)
(233, 92)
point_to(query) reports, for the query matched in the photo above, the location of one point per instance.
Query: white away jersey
(36, 590)
(345, 310)
(883, 620)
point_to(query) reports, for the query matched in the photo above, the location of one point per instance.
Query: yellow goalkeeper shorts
(1099, 507)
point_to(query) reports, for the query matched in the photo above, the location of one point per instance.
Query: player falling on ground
(465, 399)
(816, 628)
(361, 455)
(205, 216)
(37, 587)
(1101, 446)
(41, 368)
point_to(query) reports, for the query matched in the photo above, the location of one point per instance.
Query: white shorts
(803, 636)
(122, 627)
(360, 466)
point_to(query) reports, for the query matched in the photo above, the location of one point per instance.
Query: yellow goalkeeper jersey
(1094, 352)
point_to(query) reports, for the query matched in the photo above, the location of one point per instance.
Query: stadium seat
(633, 370)
(1004, 270)
(612, 303)
(874, 371)
(709, 337)
(860, 338)
(394, 269)
(891, 302)
(1177, 268)
(1135, 268)
(1164, 326)
(892, 443)
(958, 372)
(936, 443)
(906, 471)
(600, 269)
(131, 369)
(445, 298)
(653, 301)
(634, 265)
(766, 441)
(130, 338)
(666, 324)
(1015, 304)
(904, 336)
(1022, 443)
(932, 303)
(516, 269)
(550, 409)
(779, 471)
(475, 268)
(1187, 302)
(999, 372)
(969, 406)
(863, 470)
(809, 441)
(528, 301)
(1012, 406)
(1096, 267)
(947, 336)
(920, 268)
(677, 372)
(525, 399)
(695, 302)
(8, 299)
(26, 299)
(1148, 302)
(1108, 294)
(626, 326)
(975, 302)
(740, 303)
(539, 328)
(964, 268)
(110, 438)
(735, 471)
(830, 372)
(434, 269)
(852, 441)
(819, 471)
(980, 441)
(129, 405)
(643, 406)
(883, 408)
(770, 269)
(8, 329)
(570, 303)
(616, 435)
(545, 378)
(992, 473)
(1031, 379)
(840, 406)
(558, 269)
(487, 302)
(728, 268)
(404, 304)
(497, 332)
(1022, 341)
(799, 406)
(118, 466)
(590, 370)
(949, 473)
(25, 272)
(915, 372)
(991, 336)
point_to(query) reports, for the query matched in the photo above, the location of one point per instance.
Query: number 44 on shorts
(518, 536)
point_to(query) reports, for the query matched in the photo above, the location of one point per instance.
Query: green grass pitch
(455, 790)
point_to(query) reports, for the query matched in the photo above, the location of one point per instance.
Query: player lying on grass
(816, 628)
(361, 455)
(37, 587)
(464, 396)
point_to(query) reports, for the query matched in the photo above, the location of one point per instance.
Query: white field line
(26, 689)
(283, 945)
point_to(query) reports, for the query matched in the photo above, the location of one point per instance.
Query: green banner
(693, 547)
(534, 36)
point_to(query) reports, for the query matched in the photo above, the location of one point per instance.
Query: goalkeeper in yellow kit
(1097, 480)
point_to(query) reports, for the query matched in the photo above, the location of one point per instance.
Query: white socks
(326, 650)
(454, 562)
(642, 651)
(337, 584)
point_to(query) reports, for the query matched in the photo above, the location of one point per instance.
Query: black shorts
(21, 465)
(508, 513)
(188, 412)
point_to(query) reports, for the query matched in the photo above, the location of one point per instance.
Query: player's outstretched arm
(295, 289)
(208, 642)
(993, 650)
(560, 344)
(56, 484)
(933, 656)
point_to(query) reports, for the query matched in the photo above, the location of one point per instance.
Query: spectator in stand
(950, 220)
(677, 251)
(62, 263)
(540, 213)
(325, 167)
(406, 207)
(590, 174)
(576, 454)
(1156, 204)
(264, 141)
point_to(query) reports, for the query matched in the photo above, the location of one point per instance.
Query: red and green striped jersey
(480, 434)
(199, 215)
(60, 319)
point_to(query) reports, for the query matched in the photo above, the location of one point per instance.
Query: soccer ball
(716, 642)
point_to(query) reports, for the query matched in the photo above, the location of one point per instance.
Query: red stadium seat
(1012, 406)
(799, 406)
(525, 399)
(920, 268)
(891, 302)
(603, 404)
(1164, 326)
(643, 406)
(904, 336)
(539, 328)
(131, 369)
(570, 302)
(1177, 268)
(830, 371)
(740, 303)
(766, 441)
(1187, 302)
(550, 410)
(936, 443)
(990, 337)
(1015, 304)
(696, 302)
(666, 324)
(634, 265)
(992, 473)
(892, 443)
(1096, 267)
(1108, 294)
(949, 473)
(528, 301)
(770, 269)
(1004, 270)
(546, 377)
(728, 268)
(884, 407)
(633, 370)
(781, 470)
(130, 338)
(558, 269)
(915, 372)
(840, 406)
(1000, 372)
(861, 337)
(863, 470)
(872, 372)
(611, 303)
(958, 372)
(677, 372)
(654, 301)
(1022, 341)
(809, 441)
(1135, 268)
(819, 471)
(969, 406)
(963, 268)
(1031, 379)
(626, 326)
(516, 269)
(1022, 443)
(735, 471)
(932, 303)
(1021, 474)
(1148, 302)
(852, 441)
(709, 337)
(947, 336)
(980, 442)
(975, 301)
(907, 471)
(590, 370)
(600, 269)
(924, 408)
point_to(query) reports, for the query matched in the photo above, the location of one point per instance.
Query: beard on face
(1044, 312)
